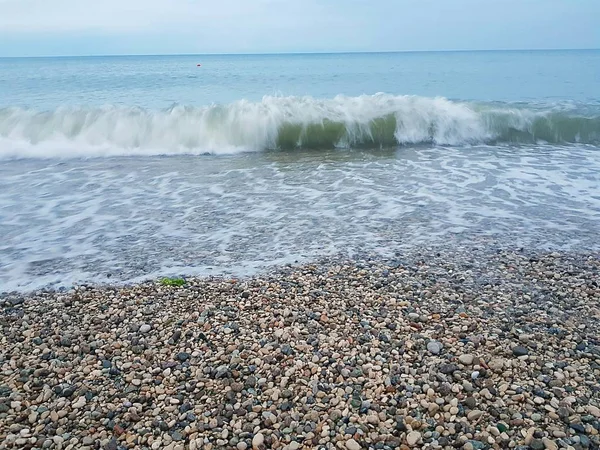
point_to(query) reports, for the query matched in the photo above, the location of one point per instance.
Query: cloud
(199, 26)
(131, 15)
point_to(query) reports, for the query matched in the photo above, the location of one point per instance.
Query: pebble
(496, 364)
(434, 347)
(537, 444)
(412, 438)
(593, 410)
(474, 415)
(80, 403)
(519, 350)
(351, 444)
(466, 359)
(257, 441)
(550, 444)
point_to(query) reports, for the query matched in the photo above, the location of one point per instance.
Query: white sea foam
(278, 122)
(87, 220)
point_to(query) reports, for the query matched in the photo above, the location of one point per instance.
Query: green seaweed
(172, 281)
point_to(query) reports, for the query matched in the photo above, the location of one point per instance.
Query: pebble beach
(439, 349)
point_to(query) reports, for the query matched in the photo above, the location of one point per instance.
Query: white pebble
(351, 444)
(257, 440)
(412, 438)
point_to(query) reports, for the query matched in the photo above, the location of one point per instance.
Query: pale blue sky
(100, 27)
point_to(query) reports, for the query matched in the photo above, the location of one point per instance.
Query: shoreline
(478, 349)
(475, 254)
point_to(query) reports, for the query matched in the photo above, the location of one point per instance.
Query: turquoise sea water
(161, 81)
(120, 168)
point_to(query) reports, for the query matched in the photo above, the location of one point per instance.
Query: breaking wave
(369, 121)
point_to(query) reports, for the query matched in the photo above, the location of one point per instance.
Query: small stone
(474, 415)
(287, 393)
(476, 445)
(183, 356)
(584, 441)
(467, 359)
(351, 444)
(257, 441)
(496, 364)
(412, 438)
(448, 369)
(80, 403)
(594, 410)
(222, 371)
(373, 419)
(251, 381)
(537, 444)
(145, 328)
(470, 402)
(177, 436)
(335, 415)
(434, 347)
(286, 406)
(550, 444)
(519, 350)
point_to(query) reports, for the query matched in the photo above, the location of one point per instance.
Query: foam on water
(370, 121)
(131, 218)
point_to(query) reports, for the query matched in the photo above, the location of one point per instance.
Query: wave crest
(282, 123)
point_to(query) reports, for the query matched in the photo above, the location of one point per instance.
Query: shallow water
(124, 218)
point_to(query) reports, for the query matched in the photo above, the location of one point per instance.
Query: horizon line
(350, 52)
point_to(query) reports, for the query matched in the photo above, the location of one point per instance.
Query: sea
(119, 169)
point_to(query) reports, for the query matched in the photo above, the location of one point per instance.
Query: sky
(114, 27)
